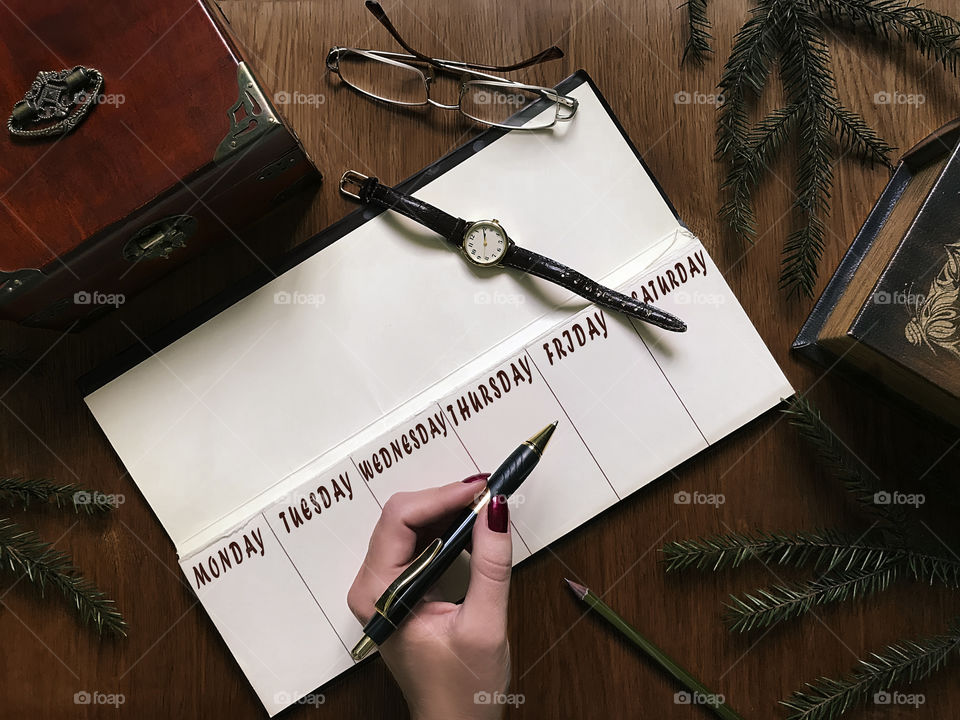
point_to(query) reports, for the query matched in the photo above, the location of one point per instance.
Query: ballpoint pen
(408, 589)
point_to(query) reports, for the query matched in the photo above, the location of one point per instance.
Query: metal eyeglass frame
(477, 70)
(565, 106)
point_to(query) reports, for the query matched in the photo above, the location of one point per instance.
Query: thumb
(485, 604)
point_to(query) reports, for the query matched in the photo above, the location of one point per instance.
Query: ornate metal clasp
(56, 102)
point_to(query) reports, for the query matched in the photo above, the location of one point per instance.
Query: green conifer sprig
(698, 41)
(791, 33)
(896, 665)
(859, 480)
(22, 551)
(852, 566)
(823, 550)
(767, 607)
(21, 491)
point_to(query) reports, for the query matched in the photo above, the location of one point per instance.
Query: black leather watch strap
(543, 267)
(450, 227)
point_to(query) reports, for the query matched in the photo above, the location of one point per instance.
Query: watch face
(485, 243)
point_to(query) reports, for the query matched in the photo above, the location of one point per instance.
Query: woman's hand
(444, 656)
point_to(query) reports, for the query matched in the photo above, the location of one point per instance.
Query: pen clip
(407, 576)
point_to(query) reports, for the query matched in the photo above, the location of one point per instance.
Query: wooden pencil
(698, 693)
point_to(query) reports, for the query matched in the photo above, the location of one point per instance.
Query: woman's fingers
(484, 609)
(394, 539)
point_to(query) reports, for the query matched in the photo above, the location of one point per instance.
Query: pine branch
(746, 71)
(783, 602)
(763, 143)
(22, 551)
(698, 42)
(16, 490)
(857, 478)
(808, 81)
(904, 663)
(933, 34)
(859, 137)
(826, 550)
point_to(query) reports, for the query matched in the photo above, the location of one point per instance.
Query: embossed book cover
(892, 309)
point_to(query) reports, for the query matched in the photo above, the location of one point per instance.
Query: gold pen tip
(363, 648)
(539, 441)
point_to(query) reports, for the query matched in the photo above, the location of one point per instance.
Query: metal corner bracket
(251, 116)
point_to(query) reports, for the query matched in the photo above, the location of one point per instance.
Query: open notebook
(267, 437)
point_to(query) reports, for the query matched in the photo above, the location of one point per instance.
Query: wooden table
(174, 663)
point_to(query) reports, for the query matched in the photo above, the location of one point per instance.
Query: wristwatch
(486, 243)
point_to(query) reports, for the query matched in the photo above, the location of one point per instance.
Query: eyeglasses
(405, 79)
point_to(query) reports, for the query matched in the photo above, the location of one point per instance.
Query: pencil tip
(579, 590)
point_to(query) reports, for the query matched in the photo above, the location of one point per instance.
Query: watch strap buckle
(353, 178)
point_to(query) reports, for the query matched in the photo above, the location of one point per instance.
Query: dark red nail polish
(498, 516)
(475, 478)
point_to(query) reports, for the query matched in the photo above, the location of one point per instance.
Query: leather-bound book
(137, 133)
(892, 309)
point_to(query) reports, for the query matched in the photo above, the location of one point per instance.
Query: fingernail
(498, 517)
(475, 478)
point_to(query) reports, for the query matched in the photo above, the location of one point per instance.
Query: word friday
(493, 388)
(320, 499)
(383, 458)
(228, 556)
(565, 342)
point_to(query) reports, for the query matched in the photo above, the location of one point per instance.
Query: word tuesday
(231, 554)
(323, 498)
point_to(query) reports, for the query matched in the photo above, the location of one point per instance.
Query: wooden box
(172, 142)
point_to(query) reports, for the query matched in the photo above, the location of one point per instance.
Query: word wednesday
(228, 556)
(566, 342)
(323, 498)
(490, 390)
(409, 441)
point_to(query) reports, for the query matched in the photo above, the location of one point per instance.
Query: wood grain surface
(565, 664)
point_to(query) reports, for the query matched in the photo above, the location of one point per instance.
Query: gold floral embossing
(936, 318)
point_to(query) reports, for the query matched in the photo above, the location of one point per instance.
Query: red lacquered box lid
(168, 80)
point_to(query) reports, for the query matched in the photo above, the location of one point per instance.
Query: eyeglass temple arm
(551, 53)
